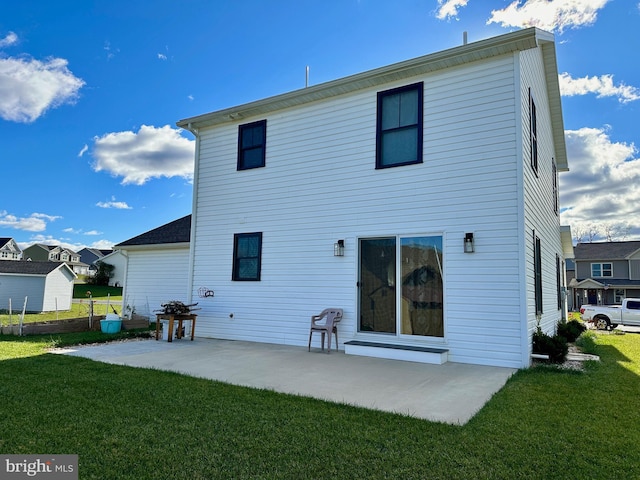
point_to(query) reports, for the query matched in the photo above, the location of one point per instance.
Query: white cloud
(603, 186)
(36, 222)
(29, 87)
(449, 8)
(83, 150)
(10, 39)
(150, 153)
(114, 204)
(93, 232)
(111, 53)
(64, 243)
(602, 86)
(548, 15)
(162, 56)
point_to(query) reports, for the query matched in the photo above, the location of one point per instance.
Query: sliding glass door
(401, 286)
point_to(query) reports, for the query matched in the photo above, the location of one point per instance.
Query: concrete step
(408, 353)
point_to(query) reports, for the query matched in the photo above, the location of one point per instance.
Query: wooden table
(172, 318)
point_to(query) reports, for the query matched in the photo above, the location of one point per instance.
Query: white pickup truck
(606, 317)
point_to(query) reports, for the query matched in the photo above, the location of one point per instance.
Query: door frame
(398, 335)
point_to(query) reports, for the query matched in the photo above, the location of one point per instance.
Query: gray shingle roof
(605, 250)
(178, 231)
(28, 268)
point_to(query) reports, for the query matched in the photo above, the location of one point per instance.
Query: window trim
(235, 274)
(419, 86)
(602, 270)
(556, 197)
(537, 273)
(559, 280)
(241, 150)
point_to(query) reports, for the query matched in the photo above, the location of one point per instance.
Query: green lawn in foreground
(128, 423)
(98, 292)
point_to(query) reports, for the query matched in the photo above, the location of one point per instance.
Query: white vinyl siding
(45, 292)
(320, 184)
(154, 277)
(17, 287)
(539, 215)
(58, 292)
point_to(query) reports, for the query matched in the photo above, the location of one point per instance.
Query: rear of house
(420, 197)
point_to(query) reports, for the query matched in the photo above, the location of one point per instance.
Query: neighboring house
(605, 273)
(48, 286)
(157, 266)
(9, 249)
(54, 253)
(119, 261)
(91, 255)
(570, 268)
(420, 197)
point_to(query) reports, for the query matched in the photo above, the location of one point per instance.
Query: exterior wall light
(338, 248)
(468, 243)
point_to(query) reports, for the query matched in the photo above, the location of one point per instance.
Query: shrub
(571, 330)
(587, 342)
(556, 347)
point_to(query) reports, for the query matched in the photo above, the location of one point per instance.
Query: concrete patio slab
(450, 393)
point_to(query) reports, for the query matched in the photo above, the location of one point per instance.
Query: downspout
(192, 234)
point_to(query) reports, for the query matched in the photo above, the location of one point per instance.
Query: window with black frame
(252, 138)
(399, 126)
(537, 267)
(533, 133)
(247, 256)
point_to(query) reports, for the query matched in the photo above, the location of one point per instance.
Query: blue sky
(90, 92)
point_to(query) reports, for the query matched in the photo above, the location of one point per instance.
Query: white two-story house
(420, 197)
(9, 249)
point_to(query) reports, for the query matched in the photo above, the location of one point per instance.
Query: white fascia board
(567, 241)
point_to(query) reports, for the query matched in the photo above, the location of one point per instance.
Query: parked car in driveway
(606, 317)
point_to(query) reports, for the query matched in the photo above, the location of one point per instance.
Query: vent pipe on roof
(464, 38)
(306, 78)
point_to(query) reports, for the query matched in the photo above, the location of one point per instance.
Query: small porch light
(338, 248)
(468, 243)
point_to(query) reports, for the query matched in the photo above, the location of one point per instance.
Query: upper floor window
(533, 133)
(602, 270)
(399, 126)
(247, 256)
(252, 139)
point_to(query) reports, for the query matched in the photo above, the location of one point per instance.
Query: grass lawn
(128, 423)
(98, 293)
(78, 310)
